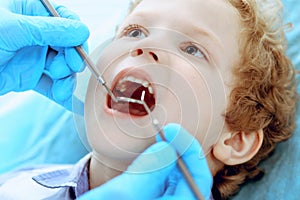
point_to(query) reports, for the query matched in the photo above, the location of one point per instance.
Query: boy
(247, 48)
(231, 78)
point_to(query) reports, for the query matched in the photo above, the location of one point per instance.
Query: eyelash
(132, 27)
(184, 47)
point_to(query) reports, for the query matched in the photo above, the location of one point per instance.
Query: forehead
(194, 10)
(215, 16)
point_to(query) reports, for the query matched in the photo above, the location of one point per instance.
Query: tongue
(134, 91)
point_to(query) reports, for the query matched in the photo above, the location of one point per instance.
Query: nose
(139, 52)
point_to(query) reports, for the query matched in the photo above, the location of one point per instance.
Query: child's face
(181, 53)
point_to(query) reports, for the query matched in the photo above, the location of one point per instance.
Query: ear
(237, 148)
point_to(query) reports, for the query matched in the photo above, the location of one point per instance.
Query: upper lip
(131, 71)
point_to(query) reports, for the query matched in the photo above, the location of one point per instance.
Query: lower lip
(118, 114)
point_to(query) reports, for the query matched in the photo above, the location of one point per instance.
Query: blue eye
(193, 50)
(135, 31)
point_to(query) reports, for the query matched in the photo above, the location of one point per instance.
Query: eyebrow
(192, 28)
(206, 33)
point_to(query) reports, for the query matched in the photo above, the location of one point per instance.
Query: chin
(119, 149)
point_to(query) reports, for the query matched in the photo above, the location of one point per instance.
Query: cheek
(203, 100)
(92, 113)
(91, 124)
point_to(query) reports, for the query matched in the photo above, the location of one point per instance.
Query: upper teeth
(145, 83)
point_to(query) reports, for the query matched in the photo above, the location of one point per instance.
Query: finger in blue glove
(23, 25)
(193, 156)
(18, 74)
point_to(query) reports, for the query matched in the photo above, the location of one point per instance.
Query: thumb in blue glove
(36, 50)
(154, 174)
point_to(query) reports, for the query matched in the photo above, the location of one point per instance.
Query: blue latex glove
(154, 175)
(36, 50)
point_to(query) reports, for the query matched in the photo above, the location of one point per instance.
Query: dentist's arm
(36, 50)
(154, 175)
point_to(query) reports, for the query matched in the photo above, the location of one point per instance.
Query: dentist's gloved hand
(36, 50)
(154, 174)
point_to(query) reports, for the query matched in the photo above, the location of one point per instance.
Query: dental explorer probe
(181, 164)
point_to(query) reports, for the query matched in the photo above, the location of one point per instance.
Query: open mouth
(131, 84)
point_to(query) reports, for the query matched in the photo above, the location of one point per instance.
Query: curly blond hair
(264, 94)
